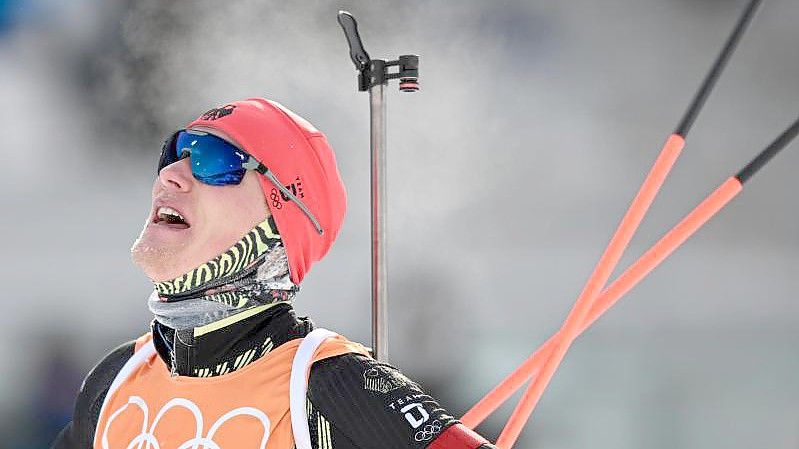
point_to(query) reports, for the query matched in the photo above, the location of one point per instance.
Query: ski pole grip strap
(459, 436)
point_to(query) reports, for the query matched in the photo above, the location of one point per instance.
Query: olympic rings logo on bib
(147, 440)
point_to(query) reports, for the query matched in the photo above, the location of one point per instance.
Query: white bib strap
(298, 387)
(136, 360)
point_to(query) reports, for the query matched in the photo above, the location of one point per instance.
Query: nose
(177, 176)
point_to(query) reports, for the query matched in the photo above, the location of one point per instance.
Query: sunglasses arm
(253, 164)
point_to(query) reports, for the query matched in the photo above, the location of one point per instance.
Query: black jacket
(355, 401)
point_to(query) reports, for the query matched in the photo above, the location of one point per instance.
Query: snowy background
(508, 171)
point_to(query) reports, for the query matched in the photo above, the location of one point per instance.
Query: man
(247, 198)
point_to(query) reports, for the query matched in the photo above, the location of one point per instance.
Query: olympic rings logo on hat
(147, 440)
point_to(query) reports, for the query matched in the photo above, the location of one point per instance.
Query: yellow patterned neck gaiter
(253, 273)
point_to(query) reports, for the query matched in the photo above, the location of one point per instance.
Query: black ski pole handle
(359, 56)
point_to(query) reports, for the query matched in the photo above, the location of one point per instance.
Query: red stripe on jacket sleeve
(458, 436)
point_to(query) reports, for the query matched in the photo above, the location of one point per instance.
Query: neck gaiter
(252, 274)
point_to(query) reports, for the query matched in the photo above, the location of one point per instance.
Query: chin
(158, 262)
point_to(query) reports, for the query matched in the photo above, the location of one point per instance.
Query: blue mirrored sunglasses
(214, 161)
(217, 162)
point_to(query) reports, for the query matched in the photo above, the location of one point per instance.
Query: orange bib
(251, 408)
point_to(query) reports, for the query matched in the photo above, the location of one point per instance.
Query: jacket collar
(229, 347)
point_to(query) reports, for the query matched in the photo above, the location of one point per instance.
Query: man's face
(216, 217)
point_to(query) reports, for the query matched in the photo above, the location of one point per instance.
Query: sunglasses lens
(167, 153)
(213, 160)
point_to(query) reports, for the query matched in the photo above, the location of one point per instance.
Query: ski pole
(373, 76)
(632, 219)
(633, 275)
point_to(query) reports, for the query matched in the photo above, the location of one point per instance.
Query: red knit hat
(300, 157)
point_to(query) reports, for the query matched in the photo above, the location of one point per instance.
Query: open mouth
(170, 217)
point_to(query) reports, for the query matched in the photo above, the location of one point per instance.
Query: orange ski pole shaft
(634, 215)
(604, 268)
(632, 276)
(638, 271)
(607, 263)
(599, 277)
